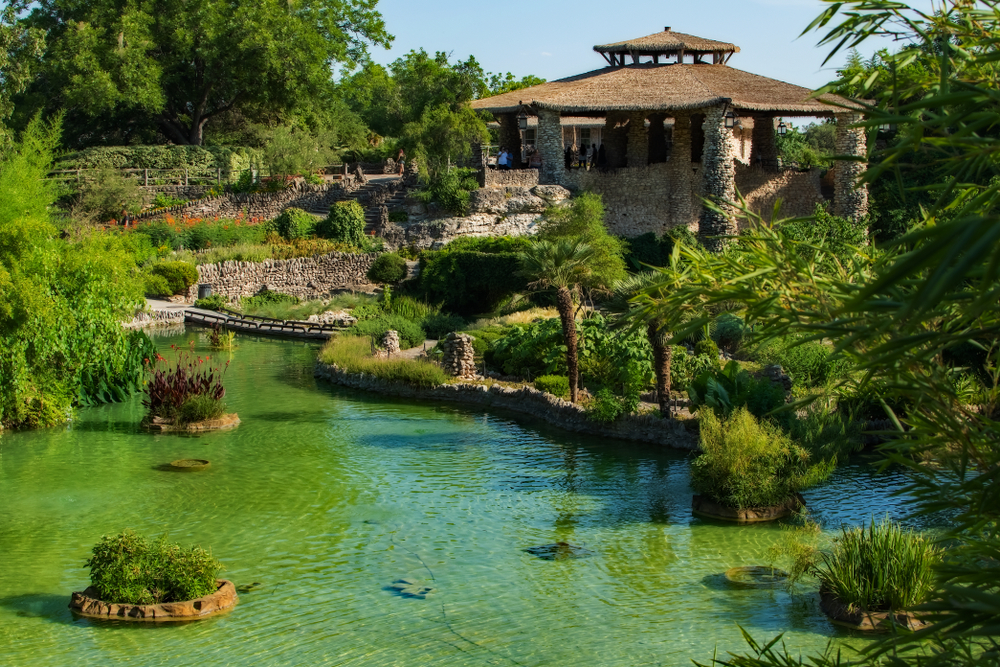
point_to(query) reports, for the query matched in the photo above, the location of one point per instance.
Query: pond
(326, 497)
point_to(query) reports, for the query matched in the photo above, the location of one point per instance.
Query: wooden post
(185, 176)
(218, 176)
(145, 177)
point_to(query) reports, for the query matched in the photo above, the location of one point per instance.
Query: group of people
(585, 157)
(505, 160)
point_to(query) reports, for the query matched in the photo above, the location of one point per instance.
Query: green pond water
(326, 497)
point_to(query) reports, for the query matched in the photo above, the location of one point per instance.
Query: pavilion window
(697, 137)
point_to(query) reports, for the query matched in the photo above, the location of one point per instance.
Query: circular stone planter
(756, 576)
(189, 465)
(231, 420)
(707, 507)
(222, 600)
(867, 621)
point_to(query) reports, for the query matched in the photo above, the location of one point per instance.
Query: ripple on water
(324, 497)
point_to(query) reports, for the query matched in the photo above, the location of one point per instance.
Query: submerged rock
(559, 551)
(409, 588)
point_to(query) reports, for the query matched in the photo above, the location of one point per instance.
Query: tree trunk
(564, 303)
(662, 358)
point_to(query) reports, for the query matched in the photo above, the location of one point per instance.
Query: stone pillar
(718, 180)
(763, 149)
(389, 344)
(615, 139)
(679, 170)
(638, 140)
(458, 359)
(657, 138)
(510, 137)
(850, 198)
(549, 143)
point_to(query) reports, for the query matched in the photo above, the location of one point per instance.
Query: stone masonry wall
(636, 200)
(501, 178)
(850, 198)
(799, 191)
(304, 277)
(718, 174)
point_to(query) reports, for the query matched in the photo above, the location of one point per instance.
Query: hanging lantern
(782, 128)
(731, 120)
(522, 121)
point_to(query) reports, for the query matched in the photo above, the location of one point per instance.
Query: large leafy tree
(20, 47)
(176, 65)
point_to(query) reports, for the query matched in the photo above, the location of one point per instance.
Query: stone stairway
(363, 195)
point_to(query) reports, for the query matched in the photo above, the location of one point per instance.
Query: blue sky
(554, 38)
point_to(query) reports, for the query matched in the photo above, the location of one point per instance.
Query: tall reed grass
(353, 354)
(879, 568)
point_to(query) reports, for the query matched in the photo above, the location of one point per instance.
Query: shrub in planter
(557, 385)
(880, 567)
(185, 392)
(345, 223)
(746, 463)
(179, 275)
(389, 268)
(130, 569)
(294, 223)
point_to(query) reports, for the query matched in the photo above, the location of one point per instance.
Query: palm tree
(562, 264)
(621, 303)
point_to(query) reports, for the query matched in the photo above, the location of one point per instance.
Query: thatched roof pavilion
(670, 77)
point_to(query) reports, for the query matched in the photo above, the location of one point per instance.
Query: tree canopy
(130, 68)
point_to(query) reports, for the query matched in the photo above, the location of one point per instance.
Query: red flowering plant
(189, 390)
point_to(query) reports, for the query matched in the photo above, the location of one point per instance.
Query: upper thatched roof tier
(649, 87)
(666, 42)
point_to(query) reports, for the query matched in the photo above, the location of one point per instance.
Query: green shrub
(809, 363)
(746, 463)
(353, 354)
(398, 216)
(707, 347)
(179, 275)
(879, 568)
(294, 223)
(439, 325)
(606, 407)
(649, 250)
(163, 200)
(410, 333)
(450, 189)
(198, 160)
(199, 408)
(491, 245)
(728, 331)
(345, 223)
(213, 302)
(156, 285)
(840, 235)
(129, 569)
(267, 298)
(684, 367)
(389, 268)
(557, 385)
(105, 194)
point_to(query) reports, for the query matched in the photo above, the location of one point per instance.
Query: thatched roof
(649, 87)
(667, 41)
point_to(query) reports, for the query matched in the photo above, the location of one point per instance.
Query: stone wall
(799, 191)
(177, 191)
(304, 277)
(155, 318)
(647, 427)
(850, 197)
(501, 178)
(636, 200)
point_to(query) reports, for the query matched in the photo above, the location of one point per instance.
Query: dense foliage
(179, 275)
(345, 224)
(183, 391)
(411, 333)
(469, 281)
(583, 220)
(130, 569)
(294, 223)
(557, 385)
(746, 462)
(61, 303)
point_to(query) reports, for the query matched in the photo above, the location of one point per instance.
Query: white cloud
(546, 53)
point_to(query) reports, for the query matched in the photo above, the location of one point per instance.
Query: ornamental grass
(353, 354)
(879, 568)
(746, 463)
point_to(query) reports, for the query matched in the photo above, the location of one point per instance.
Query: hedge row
(198, 160)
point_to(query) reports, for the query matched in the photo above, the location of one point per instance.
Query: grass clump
(353, 354)
(212, 302)
(879, 568)
(746, 463)
(266, 298)
(410, 333)
(130, 569)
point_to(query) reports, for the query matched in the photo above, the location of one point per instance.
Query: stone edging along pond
(528, 400)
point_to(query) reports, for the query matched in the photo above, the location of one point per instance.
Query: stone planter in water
(867, 621)
(705, 506)
(223, 599)
(231, 420)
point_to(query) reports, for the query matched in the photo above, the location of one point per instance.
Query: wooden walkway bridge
(263, 326)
